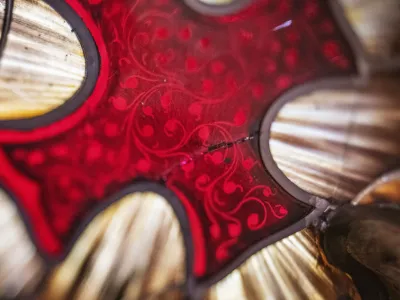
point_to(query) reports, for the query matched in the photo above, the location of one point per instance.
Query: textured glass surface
(334, 143)
(134, 250)
(180, 109)
(42, 65)
(176, 100)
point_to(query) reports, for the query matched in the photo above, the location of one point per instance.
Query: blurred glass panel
(21, 268)
(42, 65)
(384, 190)
(132, 250)
(334, 143)
(377, 23)
(293, 268)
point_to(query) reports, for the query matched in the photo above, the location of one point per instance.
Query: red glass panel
(176, 97)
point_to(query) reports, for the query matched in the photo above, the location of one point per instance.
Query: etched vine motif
(172, 86)
(238, 199)
(192, 81)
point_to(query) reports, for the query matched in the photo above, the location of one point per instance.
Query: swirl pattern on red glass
(176, 100)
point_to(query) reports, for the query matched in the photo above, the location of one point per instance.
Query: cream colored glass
(42, 65)
(334, 143)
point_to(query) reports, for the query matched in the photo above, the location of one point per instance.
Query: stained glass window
(170, 149)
